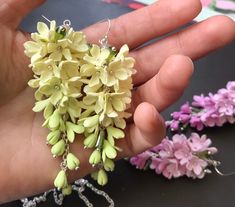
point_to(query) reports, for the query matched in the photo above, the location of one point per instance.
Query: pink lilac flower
(166, 149)
(206, 2)
(141, 159)
(206, 111)
(196, 165)
(227, 5)
(182, 156)
(172, 170)
(196, 122)
(197, 143)
(178, 157)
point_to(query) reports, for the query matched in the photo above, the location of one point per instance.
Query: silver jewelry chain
(79, 186)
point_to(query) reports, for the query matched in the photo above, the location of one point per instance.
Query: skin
(164, 70)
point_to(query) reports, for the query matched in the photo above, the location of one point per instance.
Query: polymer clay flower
(178, 157)
(81, 89)
(53, 89)
(46, 69)
(69, 70)
(196, 165)
(123, 52)
(71, 106)
(107, 104)
(59, 50)
(77, 42)
(35, 50)
(98, 56)
(124, 86)
(117, 70)
(91, 75)
(44, 33)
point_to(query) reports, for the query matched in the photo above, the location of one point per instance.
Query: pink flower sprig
(206, 111)
(178, 157)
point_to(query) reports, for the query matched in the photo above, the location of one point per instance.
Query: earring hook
(46, 18)
(66, 23)
(216, 164)
(104, 41)
(221, 173)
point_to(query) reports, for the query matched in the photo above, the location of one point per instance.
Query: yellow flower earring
(81, 89)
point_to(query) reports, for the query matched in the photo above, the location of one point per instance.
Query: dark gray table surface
(128, 186)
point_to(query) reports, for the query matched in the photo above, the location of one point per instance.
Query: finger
(195, 42)
(13, 11)
(137, 27)
(147, 131)
(167, 86)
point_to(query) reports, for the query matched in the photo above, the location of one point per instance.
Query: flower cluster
(206, 111)
(178, 157)
(81, 89)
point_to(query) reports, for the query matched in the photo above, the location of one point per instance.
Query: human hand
(26, 165)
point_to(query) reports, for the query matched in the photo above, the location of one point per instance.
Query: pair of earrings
(83, 89)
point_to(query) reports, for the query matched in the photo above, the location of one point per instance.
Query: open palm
(26, 164)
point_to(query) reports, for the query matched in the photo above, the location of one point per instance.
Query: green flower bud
(91, 121)
(54, 120)
(53, 137)
(115, 132)
(91, 140)
(120, 123)
(102, 177)
(62, 125)
(67, 190)
(94, 175)
(58, 148)
(72, 162)
(70, 135)
(95, 157)
(109, 164)
(48, 111)
(108, 151)
(61, 180)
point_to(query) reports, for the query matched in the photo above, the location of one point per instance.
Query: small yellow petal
(34, 83)
(95, 51)
(42, 29)
(67, 54)
(40, 105)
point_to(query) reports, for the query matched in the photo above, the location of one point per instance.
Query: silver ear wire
(223, 174)
(46, 18)
(104, 41)
(216, 164)
(66, 23)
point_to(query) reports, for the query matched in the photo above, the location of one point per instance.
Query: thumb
(146, 132)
